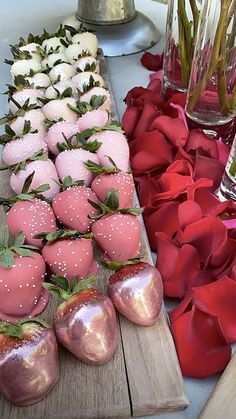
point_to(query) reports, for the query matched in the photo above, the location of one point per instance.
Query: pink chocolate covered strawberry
(22, 272)
(85, 323)
(57, 133)
(29, 213)
(69, 253)
(136, 290)
(108, 178)
(117, 231)
(44, 173)
(72, 208)
(113, 144)
(29, 364)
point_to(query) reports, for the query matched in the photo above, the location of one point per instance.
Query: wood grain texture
(145, 366)
(154, 376)
(222, 402)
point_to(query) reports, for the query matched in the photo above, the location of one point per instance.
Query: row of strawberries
(69, 166)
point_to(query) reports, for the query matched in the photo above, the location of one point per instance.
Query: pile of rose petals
(194, 234)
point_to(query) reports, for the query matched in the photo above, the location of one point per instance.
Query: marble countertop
(18, 18)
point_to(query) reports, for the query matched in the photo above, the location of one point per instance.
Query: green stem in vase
(221, 74)
(223, 19)
(185, 42)
(195, 13)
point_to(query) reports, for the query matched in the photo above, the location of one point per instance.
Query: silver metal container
(108, 12)
(121, 29)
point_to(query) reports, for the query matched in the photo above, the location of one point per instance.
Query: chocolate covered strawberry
(57, 133)
(72, 208)
(29, 213)
(44, 173)
(20, 149)
(98, 91)
(93, 118)
(85, 323)
(58, 108)
(108, 178)
(29, 363)
(117, 231)
(71, 163)
(136, 291)
(114, 145)
(22, 272)
(69, 253)
(87, 80)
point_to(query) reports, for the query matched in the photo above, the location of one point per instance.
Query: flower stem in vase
(211, 96)
(181, 30)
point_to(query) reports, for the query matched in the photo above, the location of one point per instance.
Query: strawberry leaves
(69, 183)
(83, 107)
(64, 289)
(98, 169)
(62, 234)
(111, 206)
(7, 253)
(115, 265)
(16, 330)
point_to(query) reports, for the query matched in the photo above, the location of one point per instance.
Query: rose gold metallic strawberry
(29, 364)
(85, 323)
(136, 290)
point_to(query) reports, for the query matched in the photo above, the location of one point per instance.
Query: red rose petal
(206, 235)
(166, 247)
(134, 93)
(207, 167)
(186, 268)
(189, 212)
(211, 205)
(223, 151)
(145, 161)
(218, 299)
(154, 142)
(155, 85)
(201, 349)
(182, 167)
(145, 119)
(197, 139)
(171, 185)
(200, 184)
(164, 219)
(223, 258)
(146, 188)
(151, 61)
(173, 128)
(130, 119)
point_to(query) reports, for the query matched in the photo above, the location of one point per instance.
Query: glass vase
(227, 188)
(181, 32)
(211, 100)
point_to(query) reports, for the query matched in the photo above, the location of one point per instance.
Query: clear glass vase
(181, 32)
(228, 184)
(211, 100)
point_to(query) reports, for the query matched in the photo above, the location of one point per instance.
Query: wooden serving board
(222, 402)
(142, 378)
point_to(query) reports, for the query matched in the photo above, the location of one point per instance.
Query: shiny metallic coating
(89, 330)
(139, 297)
(29, 371)
(108, 12)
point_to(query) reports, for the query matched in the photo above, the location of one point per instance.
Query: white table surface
(18, 18)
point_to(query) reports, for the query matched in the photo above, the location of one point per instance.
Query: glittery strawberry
(22, 272)
(136, 290)
(29, 363)
(108, 178)
(69, 253)
(87, 80)
(93, 118)
(19, 149)
(113, 144)
(29, 213)
(57, 133)
(71, 206)
(117, 231)
(98, 91)
(85, 323)
(44, 173)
